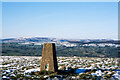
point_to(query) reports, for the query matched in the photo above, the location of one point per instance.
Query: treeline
(16, 49)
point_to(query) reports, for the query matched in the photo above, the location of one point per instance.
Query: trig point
(49, 60)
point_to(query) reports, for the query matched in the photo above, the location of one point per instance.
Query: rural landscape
(65, 47)
(77, 59)
(59, 40)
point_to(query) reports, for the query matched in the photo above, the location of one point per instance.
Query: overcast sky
(71, 20)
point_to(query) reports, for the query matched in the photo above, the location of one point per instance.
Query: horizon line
(60, 38)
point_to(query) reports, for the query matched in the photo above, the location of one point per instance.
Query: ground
(69, 67)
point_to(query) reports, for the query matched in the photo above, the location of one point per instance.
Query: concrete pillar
(49, 59)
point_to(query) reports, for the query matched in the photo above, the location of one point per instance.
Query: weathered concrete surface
(49, 60)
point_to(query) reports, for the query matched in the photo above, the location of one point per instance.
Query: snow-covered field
(11, 66)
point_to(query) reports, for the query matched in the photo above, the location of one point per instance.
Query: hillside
(64, 47)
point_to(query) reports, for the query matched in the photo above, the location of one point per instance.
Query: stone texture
(49, 60)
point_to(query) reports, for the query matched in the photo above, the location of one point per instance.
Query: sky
(69, 20)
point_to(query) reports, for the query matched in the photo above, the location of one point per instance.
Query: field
(65, 49)
(28, 67)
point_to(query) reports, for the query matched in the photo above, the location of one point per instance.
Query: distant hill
(65, 47)
(46, 39)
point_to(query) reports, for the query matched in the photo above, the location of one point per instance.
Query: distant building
(49, 59)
